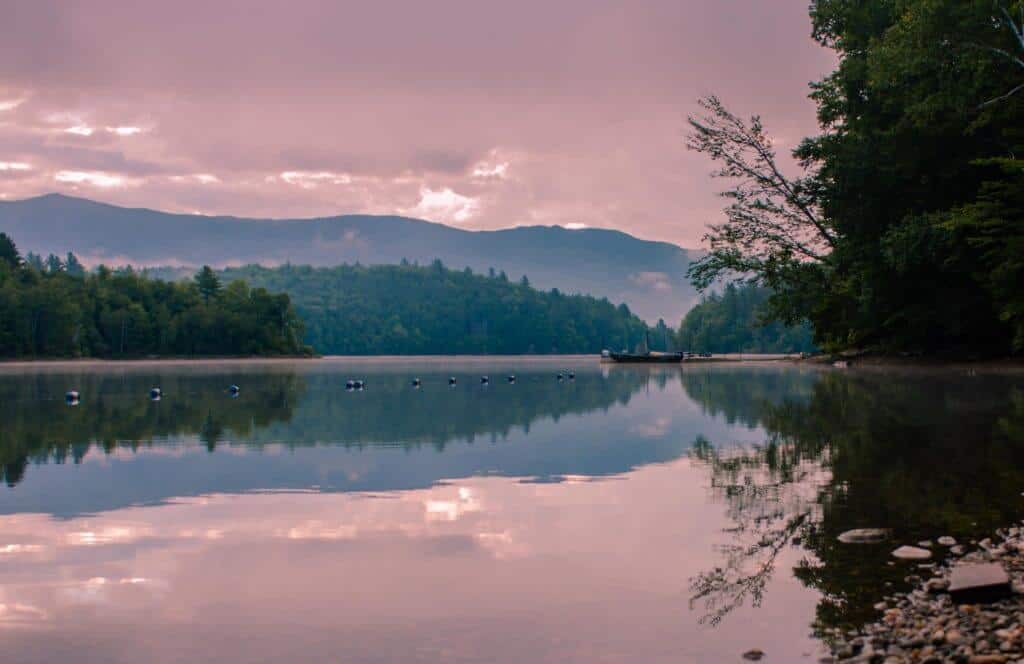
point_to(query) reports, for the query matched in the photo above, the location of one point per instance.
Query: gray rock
(864, 536)
(979, 583)
(911, 553)
(946, 540)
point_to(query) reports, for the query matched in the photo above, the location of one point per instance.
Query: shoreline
(924, 624)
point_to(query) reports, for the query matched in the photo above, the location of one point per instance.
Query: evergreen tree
(9, 251)
(73, 266)
(208, 283)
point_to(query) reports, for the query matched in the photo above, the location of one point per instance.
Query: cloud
(14, 166)
(80, 130)
(448, 118)
(484, 170)
(124, 131)
(445, 205)
(308, 180)
(658, 281)
(10, 104)
(575, 226)
(96, 179)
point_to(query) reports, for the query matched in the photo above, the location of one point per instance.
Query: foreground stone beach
(928, 624)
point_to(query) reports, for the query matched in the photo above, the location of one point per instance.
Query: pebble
(925, 625)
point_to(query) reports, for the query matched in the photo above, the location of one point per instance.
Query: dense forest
(905, 231)
(53, 308)
(732, 322)
(418, 310)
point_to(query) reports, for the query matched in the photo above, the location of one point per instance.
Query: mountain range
(650, 277)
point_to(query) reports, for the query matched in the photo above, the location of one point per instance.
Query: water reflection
(923, 453)
(630, 515)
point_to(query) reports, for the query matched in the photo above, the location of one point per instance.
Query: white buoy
(233, 390)
(416, 382)
(72, 397)
(452, 381)
(155, 393)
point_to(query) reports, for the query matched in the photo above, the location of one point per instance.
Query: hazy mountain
(649, 276)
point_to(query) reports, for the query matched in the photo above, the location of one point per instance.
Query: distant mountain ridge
(650, 277)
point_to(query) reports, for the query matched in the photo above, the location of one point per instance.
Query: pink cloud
(531, 112)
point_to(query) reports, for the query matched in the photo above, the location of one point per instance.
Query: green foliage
(409, 310)
(207, 282)
(9, 251)
(734, 322)
(54, 313)
(912, 179)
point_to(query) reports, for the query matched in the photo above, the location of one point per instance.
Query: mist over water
(628, 514)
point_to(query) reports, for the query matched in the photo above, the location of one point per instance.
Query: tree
(773, 223)
(73, 266)
(208, 283)
(9, 251)
(54, 264)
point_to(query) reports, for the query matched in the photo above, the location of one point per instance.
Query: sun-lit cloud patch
(310, 180)
(14, 166)
(80, 130)
(206, 178)
(11, 104)
(94, 178)
(576, 226)
(658, 281)
(445, 205)
(124, 131)
(485, 170)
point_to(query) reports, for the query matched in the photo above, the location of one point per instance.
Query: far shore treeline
(56, 309)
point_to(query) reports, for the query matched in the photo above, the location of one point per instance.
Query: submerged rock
(864, 535)
(912, 553)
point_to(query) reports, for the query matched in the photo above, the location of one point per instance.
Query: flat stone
(946, 540)
(979, 583)
(911, 553)
(864, 535)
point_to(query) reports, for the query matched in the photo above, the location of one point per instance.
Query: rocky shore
(929, 624)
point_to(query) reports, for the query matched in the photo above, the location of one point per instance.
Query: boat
(650, 356)
(644, 355)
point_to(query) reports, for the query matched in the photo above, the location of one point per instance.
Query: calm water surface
(630, 515)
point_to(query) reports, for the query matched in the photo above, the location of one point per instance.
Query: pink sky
(471, 113)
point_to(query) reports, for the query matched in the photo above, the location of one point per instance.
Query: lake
(631, 514)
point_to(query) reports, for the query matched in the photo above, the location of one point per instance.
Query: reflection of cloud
(450, 510)
(656, 429)
(658, 281)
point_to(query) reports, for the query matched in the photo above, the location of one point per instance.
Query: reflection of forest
(924, 455)
(294, 409)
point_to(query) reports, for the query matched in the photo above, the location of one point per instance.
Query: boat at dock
(649, 357)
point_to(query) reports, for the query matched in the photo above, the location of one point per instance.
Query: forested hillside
(906, 230)
(408, 309)
(55, 309)
(648, 276)
(733, 322)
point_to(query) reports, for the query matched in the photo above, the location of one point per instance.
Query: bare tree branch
(772, 220)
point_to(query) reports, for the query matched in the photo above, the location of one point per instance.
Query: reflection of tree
(116, 412)
(769, 493)
(283, 407)
(921, 454)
